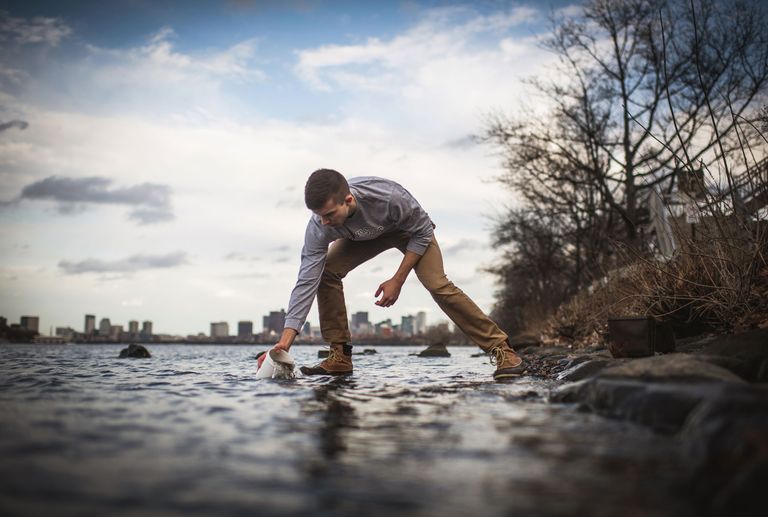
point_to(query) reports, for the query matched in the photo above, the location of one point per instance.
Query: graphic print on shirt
(362, 233)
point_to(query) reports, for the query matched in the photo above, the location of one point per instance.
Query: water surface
(192, 432)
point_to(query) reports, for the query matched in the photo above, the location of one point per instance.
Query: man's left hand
(390, 291)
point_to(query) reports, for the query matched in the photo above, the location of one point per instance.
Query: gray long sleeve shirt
(383, 206)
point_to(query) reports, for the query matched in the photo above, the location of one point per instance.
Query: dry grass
(716, 282)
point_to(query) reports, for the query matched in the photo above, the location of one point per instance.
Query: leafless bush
(711, 284)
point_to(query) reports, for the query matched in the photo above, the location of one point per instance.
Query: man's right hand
(278, 346)
(286, 339)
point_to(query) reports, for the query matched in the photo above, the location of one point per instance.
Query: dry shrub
(717, 281)
(712, 282)
(583, 320)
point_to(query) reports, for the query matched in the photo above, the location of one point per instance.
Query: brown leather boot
(339, 362)
(508, 364)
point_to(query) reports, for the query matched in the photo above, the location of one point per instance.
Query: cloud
(159, 62)
(462, 245)
(249, 275)
(128, 265)
(441, 74)
(237, 256)
(379, 65)
(22, 31)
(152, 201)
(463, 142)
(18, 124)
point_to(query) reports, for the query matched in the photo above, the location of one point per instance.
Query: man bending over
(362, 218)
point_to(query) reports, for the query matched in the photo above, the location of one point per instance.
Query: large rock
(656, 391)
(436, 350)
(726, 439)
(669, 367)
(135, 350)
(663, 406)
(745, 354)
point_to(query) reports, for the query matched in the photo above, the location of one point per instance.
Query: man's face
(334, 214)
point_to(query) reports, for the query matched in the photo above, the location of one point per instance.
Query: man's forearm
(287, 338)
(409, 262)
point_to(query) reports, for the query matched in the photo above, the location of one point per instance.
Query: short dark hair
(322, 185)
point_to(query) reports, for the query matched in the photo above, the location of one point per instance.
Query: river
(192, 432)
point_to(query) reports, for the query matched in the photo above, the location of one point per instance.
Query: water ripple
(192, 432)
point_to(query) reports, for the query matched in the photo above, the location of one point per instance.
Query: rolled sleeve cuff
(417, 247)
(293, 323)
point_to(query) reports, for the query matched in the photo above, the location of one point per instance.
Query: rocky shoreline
(711, 395)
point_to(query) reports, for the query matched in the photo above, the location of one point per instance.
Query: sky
(153, 153)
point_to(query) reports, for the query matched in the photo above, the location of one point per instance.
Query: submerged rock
(135, 350)
(436, 350)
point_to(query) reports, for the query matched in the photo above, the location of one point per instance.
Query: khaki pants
(345, 255)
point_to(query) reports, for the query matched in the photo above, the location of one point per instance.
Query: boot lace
(497, 354)
(334, 355)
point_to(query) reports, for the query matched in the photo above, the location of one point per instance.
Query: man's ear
(348, 199)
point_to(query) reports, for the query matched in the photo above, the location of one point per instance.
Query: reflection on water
(192, 432)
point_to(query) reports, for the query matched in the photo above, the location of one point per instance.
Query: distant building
(245, 329)
(275, 322)
(133, 327)
(31, 323)
(384, 328)
(90, 324)
(421, 323)
(306, 330)
(115, 331)
(359, 319)
(65, 332)
(220, 329)
(407, 326)
(146, 329)
(104, 326)
(3, 322)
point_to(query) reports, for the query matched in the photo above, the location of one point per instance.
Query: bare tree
(644, 87)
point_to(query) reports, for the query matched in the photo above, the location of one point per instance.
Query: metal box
(639, 336)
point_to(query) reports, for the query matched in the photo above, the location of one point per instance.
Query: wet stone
(726, 440)
(436, 350)
(134, 350)
(672, 366)
(663, 406)
(583, 370)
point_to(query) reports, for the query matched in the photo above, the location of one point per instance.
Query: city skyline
(359, 325)
(152, 158)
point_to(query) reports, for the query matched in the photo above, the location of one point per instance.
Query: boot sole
(309, 371)
(506, 376)
(510, 373)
